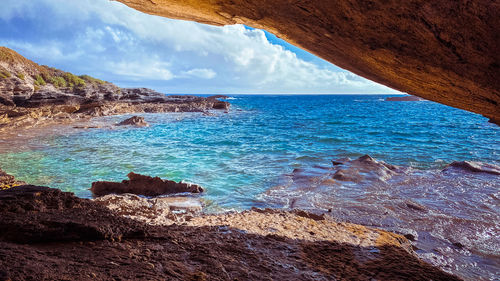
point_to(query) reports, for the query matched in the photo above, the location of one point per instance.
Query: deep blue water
(238, 155)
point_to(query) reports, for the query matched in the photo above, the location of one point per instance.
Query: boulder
(221, 105)
(143, 185)
(134, 121)
(365, 168)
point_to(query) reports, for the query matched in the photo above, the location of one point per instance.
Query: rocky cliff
(32, 94)
(444, 51)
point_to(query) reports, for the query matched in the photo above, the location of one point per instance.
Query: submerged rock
(435, 208)
(475, 167)
(134, 121)
(143, 185)
(363, 168)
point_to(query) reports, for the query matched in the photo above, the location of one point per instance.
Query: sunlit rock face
(445, 51)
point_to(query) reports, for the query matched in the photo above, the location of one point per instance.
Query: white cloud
(141, 70)
(122, 41)
(203, 73)
(52, 49)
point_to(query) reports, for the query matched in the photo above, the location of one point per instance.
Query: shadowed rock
(134, 121)
(46, 234)
(220, 104)
(34, 214)
(143, 185)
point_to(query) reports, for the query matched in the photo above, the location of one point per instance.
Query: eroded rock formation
(143, 185)
(33, 95)
(444, 51)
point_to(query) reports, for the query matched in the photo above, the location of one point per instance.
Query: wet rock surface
(134, 121)
(475, 167)
(47, 234)
(154, 211)
(363, 169)
(442, 51)
(143, 185)
(452, 217)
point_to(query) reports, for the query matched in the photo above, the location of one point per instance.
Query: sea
(276, 151)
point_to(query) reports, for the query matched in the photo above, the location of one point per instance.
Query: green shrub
(57, 81)
(74, 81)
(20, 76)
(39, 81)
(4, 74)
(92, 80)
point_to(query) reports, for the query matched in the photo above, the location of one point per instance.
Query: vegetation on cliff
(41, 74)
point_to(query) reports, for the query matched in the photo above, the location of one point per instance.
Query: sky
(113, 42)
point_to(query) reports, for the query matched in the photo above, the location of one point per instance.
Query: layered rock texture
(34, 95)
(143, 185)
(46, 234)
(444, 51)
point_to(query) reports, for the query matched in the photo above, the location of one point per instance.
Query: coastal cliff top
(33, 95)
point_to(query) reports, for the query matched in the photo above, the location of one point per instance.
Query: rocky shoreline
(47, 234)
(33, 96)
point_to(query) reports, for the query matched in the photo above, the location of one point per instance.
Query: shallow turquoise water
(238, 155)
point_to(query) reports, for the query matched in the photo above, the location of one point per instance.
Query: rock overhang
(444, 51)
